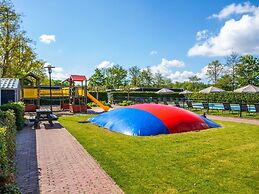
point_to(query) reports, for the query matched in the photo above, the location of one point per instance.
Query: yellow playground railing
(46, 92)
(32, 92)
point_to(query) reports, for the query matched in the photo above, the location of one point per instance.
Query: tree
(116, 76)
(194, 79)
(225, 82)
(248, 70)
(214, 71)
(158, 80)
(97, 80)
(167, 82)
(134, 74)
(146, 78)
(9, 25)
(231, 61)
(16, 53)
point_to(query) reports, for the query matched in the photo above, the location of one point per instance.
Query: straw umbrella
(165, 91)
(250, 89)
(211, 89)
(186, 92)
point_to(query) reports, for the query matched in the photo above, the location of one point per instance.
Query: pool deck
(50, 160)
(234, 119)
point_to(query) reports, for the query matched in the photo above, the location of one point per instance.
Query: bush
(93, 104)
(102, 96)
(121, 96)
(7, 151)
(18, 108)
(125, 103)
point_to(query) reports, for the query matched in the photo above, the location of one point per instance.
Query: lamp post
(49, 67)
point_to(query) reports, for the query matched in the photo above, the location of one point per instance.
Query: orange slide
(105, 108)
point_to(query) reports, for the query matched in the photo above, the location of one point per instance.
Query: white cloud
(233, 8)
(240, 36)
(105, 65)
(202, 35)
(184, 75)
(165, 67)
(58, 73)
(47, 39)
(153, 53)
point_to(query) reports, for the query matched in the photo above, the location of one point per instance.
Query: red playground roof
(78, 78)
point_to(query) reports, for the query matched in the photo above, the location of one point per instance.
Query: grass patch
(223, 160)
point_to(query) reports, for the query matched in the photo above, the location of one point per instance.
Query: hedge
(93, 104)
(230, 97)
(102, 96)
(120, 96)
(7, 152)
(18, 108)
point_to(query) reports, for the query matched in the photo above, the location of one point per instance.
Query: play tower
(77, 93)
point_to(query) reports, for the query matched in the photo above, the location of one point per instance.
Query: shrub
(7, 151)
(102, 96)
(18, 108)
(93, 104)
(125, 103)
(121, 96)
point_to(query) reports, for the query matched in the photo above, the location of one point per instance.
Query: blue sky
(82, 35)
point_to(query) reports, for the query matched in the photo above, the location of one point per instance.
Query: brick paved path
(234, 119)
(65, 167)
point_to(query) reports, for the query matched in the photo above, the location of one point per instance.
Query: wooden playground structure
(76, 92)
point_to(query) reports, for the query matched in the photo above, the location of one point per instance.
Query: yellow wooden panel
(30, 93)
(55, 93)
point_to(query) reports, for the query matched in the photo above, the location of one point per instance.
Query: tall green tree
(9, 26)
(158, 80)
(116, 76)
(214, 71)
(248, 70)
(225, 82)
(97, 81)
(146, 78)
(167, 82)
(231, 62)
(194, 79)
(134, 76)
(17, 56)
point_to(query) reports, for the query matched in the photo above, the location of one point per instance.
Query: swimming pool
(234, 107)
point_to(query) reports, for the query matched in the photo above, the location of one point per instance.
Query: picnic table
(44, 115)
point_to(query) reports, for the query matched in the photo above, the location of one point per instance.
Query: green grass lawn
(223, 160)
